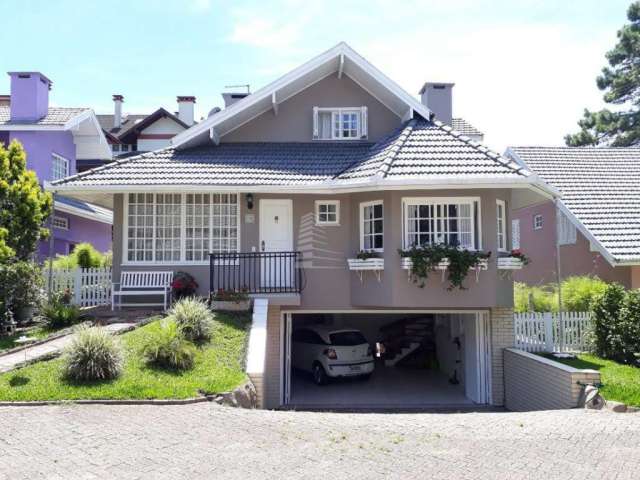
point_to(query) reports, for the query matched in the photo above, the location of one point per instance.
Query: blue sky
(524, 69)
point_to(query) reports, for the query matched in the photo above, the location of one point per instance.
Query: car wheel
(319, 375)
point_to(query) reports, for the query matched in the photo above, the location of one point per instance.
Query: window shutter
(515, 234)
(363, 122)
(315, 123)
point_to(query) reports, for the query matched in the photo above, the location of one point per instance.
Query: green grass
(621, 382)
(219, 366)
(37, 332)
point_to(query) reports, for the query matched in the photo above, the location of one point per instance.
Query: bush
(628, 329)
(84, 255)
(193, 318)
(165, 347)
(94, 354)
(21, 285)
(534, 299)
(59, 313)
(578, 293)
(606, 315)
(183, 285)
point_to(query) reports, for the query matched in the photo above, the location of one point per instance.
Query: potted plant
(183, 285)
(366, 260)
(514, 261)
(230, 300)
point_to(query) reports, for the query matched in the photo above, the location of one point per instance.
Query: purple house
(55, 138)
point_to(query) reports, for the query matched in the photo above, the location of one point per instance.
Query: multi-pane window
(441, 221)
(501, 215)
(537, 222)
(140, 227)
(515, 233)
(225, 223)
(174, 227)
(59, 168)
(60, 222)
(567, 234)
(340, 123)
(372, 226)
(328, 212)
(168, 226)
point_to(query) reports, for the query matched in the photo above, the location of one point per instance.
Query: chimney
(437, 98)
(117, 110)
(29, 96)
(185, 109)
(231, 98)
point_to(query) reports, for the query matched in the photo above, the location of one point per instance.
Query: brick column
(273, 362)
(502, 336)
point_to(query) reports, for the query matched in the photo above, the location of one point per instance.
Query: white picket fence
(88, 286)
(540, 332)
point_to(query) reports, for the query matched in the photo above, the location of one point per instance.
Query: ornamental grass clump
(193, 318)
(94, 354)
(165, 347)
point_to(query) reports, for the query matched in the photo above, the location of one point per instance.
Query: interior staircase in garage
(405, 336)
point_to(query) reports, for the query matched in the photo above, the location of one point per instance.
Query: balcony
(256, 273)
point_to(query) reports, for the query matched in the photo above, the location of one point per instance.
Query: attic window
(339, 123)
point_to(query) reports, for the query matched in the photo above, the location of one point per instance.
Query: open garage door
(385, 360)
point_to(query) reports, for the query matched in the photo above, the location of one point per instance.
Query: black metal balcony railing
(256, 272)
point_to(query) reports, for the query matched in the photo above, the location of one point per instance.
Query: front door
(276, 235)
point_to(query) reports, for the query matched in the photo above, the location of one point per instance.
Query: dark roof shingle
(55, 116)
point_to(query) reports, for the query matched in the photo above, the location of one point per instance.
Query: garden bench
(142, 283)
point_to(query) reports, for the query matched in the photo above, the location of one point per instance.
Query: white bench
(142, 283)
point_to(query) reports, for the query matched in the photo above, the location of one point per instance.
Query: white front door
(276, 235)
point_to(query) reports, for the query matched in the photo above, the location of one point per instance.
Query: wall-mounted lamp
(249, 197)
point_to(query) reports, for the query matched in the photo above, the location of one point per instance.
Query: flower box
(368, 264)
(510, 263)
(407, 264)
(231, 306)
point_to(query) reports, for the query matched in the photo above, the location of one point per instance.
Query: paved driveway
(208, 441)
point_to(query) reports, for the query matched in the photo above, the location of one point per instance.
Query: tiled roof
(464, 127)
(418, 149)
(600, 186)
(55, 116)
(106, 122)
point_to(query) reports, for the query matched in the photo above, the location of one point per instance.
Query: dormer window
(339, 123)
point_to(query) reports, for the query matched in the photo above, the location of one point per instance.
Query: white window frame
(363, 205)
(476, 224)
(362, 127)
(61, 223)
(183, 228)
(567, 232)
(515, 234)
(538, 225)
(501, 220)
(54, 158)
(335, 203)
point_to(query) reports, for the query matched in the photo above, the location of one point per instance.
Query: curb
(175, 401)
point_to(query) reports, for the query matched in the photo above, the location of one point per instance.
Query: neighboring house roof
(133, 124)
(464, 127)
(55, 116)
(128, 121)
(419, 151)
(83, 209)
(600, 190)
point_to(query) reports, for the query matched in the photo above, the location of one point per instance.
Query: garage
(396, 360)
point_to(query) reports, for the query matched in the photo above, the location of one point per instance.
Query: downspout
(51, 245)
(559, 276)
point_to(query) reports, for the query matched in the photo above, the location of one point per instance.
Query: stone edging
(168, 401)
(619, 407)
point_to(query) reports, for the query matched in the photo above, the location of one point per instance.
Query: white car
(331, 353)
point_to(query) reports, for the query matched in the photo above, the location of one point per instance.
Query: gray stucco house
(288, 184)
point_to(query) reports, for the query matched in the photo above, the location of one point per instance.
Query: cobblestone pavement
(209, 441)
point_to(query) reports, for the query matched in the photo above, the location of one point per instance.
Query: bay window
(451, 221)
(180, 228)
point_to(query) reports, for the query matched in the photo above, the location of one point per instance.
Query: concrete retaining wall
(533, 382)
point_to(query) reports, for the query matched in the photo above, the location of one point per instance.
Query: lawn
(37, 332)
(219, 367)
(621, 382)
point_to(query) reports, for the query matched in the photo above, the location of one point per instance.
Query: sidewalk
(13, 360)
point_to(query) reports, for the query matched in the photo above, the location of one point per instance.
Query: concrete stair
(404, 351)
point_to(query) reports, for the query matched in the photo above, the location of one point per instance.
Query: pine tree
(621, 83)
(24, 207)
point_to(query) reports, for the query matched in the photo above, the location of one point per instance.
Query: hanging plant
(426, 259)
(517, 253)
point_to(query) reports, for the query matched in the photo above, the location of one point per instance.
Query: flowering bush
(236, 296)
(183, 285)
(517, 253)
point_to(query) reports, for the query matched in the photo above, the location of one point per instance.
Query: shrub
(183, 285)
(21, 285)
(84, 255)
(606, 314)
(628, 328)
(164, 346)
(193, 318)
(534, 299)
(94, 354)
(578, 293)
(59, 313)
